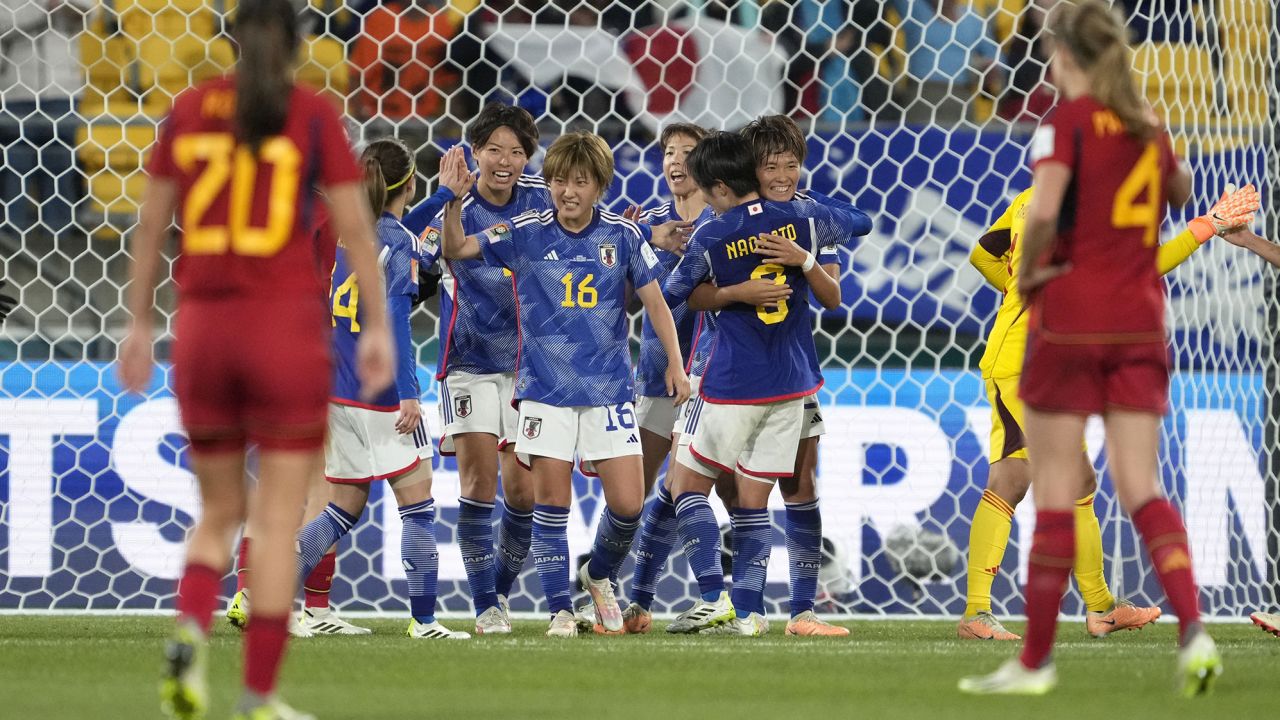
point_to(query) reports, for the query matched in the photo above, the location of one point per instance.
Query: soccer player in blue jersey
(741, 425)
(574, 383)
(384, 438)
(476, 370)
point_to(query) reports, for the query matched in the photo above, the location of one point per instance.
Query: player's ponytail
(388, 170)
(1096, 37)
(266, 33)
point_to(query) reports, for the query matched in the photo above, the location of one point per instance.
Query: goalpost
(95, 493)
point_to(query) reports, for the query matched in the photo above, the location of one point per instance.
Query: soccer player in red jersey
(1103, 170)
(238, 159)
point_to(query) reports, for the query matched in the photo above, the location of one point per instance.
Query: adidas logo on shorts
(632, 439)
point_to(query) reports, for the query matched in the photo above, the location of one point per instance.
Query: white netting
(95, 491)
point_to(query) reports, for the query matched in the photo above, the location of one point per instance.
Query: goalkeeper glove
(1234, 209)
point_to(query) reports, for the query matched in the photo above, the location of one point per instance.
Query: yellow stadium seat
(112, 153)
(1178, 80)
(323, 65)
(107, 57)
(176, 46)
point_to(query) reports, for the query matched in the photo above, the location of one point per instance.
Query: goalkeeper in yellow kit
(997, 255)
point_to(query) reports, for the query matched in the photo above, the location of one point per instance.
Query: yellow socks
(1088, 564)
(988, 537)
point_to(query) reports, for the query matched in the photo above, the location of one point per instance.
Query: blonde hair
(582, 152)
(1096, 37)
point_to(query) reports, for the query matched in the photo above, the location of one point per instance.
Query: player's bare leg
(184, 690)
(804, 529)
(655, 448)
(477, 455)
(1133, 440)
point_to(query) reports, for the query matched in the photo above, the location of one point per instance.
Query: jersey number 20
(233, 167)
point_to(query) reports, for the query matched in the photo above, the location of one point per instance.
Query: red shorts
(252, 371)
(1089, 379)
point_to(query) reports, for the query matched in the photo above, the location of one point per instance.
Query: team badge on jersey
(462, 406)
(608, 254)
(532, 427)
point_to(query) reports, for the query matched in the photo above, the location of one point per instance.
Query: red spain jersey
(1108, 230)
(248, 224)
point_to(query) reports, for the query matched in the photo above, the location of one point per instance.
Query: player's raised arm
(1234, 210)
(1256, 244)
(455, 180)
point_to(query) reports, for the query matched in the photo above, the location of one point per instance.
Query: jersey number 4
(349, 292)
(1137, 203)
(233, 167)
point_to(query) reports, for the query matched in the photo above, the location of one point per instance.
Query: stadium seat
(1180, 81)
(108, 59)
(323, 65)
(176, 46)
(111, 153)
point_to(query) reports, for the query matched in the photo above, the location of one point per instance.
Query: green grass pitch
(108, 667)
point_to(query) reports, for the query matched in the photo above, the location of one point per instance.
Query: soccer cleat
(1199, 664)
(297, 629)
(808, 624)
(1270, 622)
(637, 620)
(585, 617)
(563, 625)
(323, 621)
(184, 691)
(493, 622)
(1124, 615)
(753, 625)
(983, 626)
(608, 614)
(1012, 679)
(238, 613)
(505, 605)
(703, 616)
(255, 707)
(434, 631)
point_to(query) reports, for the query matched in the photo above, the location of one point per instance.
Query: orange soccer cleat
(983, 626)
(810, 625)
(1124, 615)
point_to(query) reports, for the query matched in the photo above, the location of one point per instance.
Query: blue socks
(475, 540)
(421, 561)
(700, 537)
(804, 546)
(315, 538)
(612, 543)
(513, 547)
(752, 543)
(653, 546)
(551, 555)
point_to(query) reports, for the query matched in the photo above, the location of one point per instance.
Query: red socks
(242, 565)
(316, 587)
(263, 650)
(1053, 550)
(198, 595)
(1166, 539)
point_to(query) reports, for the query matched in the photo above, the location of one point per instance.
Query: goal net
(917, 111)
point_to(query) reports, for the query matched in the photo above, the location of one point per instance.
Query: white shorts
(813, 425)
(758, 441)
(363, 445)
(686, 423)
(477, 404)
(657, 414)
(592, 433)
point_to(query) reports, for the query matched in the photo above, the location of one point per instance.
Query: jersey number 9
(779, 273)
(233, 167)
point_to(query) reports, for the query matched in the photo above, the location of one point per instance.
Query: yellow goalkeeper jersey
(998, 255)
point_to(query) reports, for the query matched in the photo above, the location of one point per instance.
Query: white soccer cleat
(1012, 679)
(608, 614)
(505, 604)
(238, 612)
(585, 616)
(253, 707)
(753, 625)
(563, 625)
(435, 631)
(184, 691)
(1199, 665)
(493, 622)
(703, 616)
(297, 629)
(323, 621)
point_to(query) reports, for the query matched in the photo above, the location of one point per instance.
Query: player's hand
(375, 359)
(672, 235)
(134, 366)
(632, 213)
(759, 292)
(677, 383)
(7, 302)
(454, 173)
(1235, 209)
(780, 249)
(1033, 279)
(410, 416)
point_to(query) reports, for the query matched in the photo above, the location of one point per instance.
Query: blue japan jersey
(761, 354)
(571, 289)
(477, 304)
(398, 255)
(651, 371)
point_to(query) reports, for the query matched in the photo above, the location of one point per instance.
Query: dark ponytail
(388, 167)
(266, 32)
